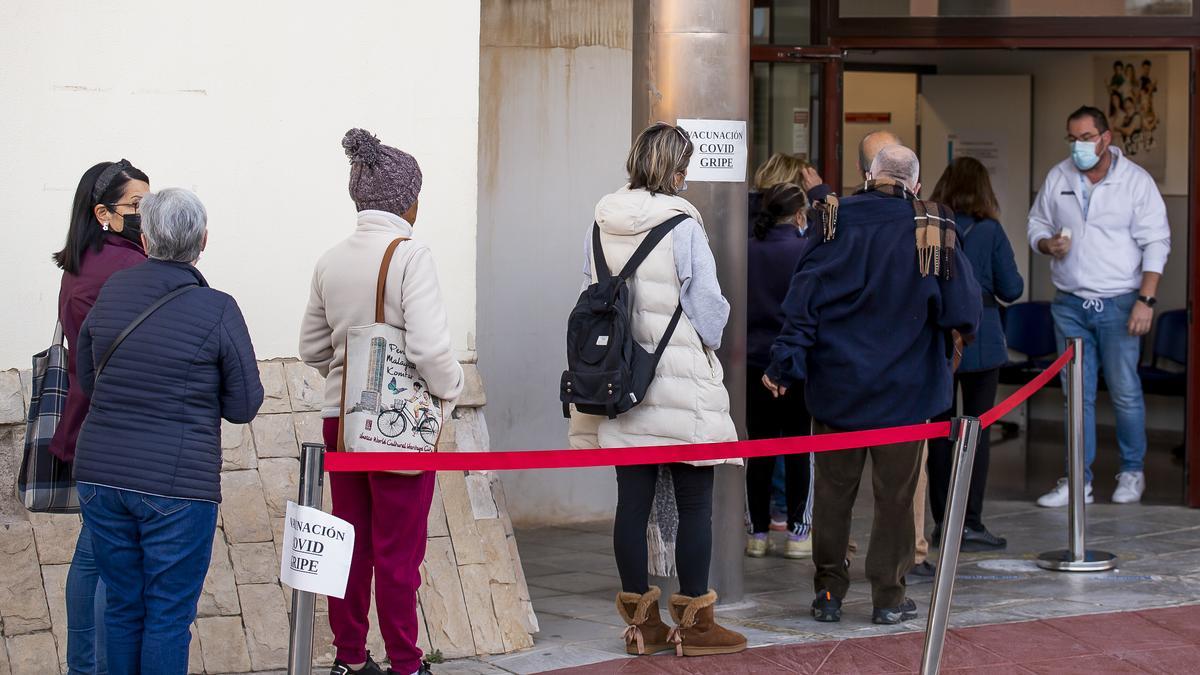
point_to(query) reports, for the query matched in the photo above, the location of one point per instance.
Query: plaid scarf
(935, 233)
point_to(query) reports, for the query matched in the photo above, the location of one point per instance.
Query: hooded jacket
(687, 402)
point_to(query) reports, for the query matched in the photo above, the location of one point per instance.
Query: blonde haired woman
(686, 403)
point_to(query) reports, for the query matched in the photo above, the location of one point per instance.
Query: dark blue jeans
(85, 611)
(153, 553)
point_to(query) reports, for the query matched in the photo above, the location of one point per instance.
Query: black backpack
(607, 372)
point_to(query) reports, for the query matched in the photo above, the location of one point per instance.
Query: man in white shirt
(1102, 220)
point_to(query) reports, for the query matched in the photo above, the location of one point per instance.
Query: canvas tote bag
(386, 405)
(45, 483)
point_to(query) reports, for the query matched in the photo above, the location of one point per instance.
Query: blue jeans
(153, 553)
(1107, 344)
(85, 611)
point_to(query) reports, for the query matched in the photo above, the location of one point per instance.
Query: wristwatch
(1148, 300)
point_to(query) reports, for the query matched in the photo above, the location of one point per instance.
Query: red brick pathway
(1150, 641)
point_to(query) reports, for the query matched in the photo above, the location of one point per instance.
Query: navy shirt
(863, 328)
(995, 268)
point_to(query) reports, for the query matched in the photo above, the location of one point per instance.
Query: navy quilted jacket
(154, 425)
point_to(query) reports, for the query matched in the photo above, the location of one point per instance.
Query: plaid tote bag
(45, 483)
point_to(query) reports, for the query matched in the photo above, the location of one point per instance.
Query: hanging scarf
(935, 231)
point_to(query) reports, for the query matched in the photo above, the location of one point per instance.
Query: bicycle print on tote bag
(386, 405)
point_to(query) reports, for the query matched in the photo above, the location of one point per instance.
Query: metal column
(312, 480)
(691, 60)
(1076, 558)
(965, 432)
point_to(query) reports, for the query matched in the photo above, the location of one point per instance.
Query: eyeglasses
(1086, 138)
(132, 205)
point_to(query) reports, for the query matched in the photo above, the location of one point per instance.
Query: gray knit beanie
(382, 178)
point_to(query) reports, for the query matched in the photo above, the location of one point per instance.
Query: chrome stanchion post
(965, 432)
(1076, 558)
(312, 480)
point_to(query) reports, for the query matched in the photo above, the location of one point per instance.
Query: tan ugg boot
(646, 633)
(696, 632)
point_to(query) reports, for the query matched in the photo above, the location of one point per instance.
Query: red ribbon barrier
(665, 454)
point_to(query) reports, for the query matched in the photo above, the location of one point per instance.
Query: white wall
(245, 103)
(555, 89)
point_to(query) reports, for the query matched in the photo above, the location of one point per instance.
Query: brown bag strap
(381, 284)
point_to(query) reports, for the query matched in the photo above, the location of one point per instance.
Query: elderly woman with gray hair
(163, 358)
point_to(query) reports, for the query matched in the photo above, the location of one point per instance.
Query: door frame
(832, 55)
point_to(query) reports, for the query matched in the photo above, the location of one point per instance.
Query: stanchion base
(1093, 561)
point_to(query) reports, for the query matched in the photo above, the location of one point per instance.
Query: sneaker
(425, 669)
(798, 548)
(340, 667)
(1130, 485)
(924, 570)
(826, 608)
(756, 545)
(974, 540)
(887, 616)
(1060, 495)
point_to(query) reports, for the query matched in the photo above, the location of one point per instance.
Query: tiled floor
(573, 580)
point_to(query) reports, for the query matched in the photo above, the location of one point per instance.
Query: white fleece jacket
(343, 296)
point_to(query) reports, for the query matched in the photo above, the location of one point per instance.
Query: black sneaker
(425, 669)
(340, 667)
(922, 572)
(826, 608)
(982, 540)
(907, 611)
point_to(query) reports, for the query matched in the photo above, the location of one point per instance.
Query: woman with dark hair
(104, 237)
(966, 188)
(777, 244)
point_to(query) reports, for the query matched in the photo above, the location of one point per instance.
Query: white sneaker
(1130, 485)
(1060, 495)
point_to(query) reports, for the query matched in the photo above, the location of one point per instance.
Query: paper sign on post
(720, 154)
(317, 549)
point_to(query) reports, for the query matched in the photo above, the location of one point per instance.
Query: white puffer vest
(687, 402)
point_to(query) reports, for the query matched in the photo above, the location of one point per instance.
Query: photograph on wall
(1131, 90)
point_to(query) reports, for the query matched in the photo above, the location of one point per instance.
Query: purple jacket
(76, 296)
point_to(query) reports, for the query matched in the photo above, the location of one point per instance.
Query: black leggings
(978, 396)
(693, 546)
(783, 417)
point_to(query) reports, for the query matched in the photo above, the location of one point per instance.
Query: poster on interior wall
(800, 127)
(990, 147)
(1132, 90)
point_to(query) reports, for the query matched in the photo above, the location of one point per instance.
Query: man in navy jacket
(868, 328)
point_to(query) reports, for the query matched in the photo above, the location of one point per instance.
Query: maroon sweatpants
(390, 514)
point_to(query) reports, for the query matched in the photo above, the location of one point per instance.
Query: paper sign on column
(720, 150)
(317, 551)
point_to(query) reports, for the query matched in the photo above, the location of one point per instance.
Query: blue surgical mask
(1083, 153)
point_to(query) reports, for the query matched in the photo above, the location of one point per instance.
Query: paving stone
(23, 606)
(442, 599)
(495, 547)
(12, 443)
(195, 652)
(237, 447)
(479, 490)
(306, 387)
(12, 401)
(471, 434)
(266, 620)
(56, 536)
(280, 478)
(309, 427)
(477, 592)
(437, 526)
(323, 649)
(468, 548)
(243, 508)
(501, 502)
(255, 563)
(33, 654)
(4, 667)
(223, 643)
(510, 612)
(27, 387)
(275, 436)
(275, 392)
(219, 596)
(55, 579)
(473, 394)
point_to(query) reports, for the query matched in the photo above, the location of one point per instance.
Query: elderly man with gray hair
(164, 358)
(867, 327)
